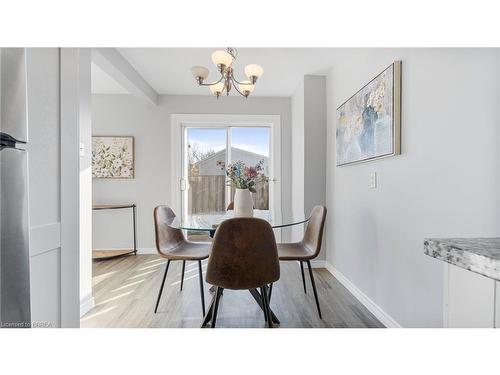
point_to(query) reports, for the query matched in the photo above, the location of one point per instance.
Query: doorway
(204, 145)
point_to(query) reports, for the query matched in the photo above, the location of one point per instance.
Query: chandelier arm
(236, 88)
(232, 51)
(213, 83)
(238, 82)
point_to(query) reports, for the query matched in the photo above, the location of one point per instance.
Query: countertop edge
(445, 251)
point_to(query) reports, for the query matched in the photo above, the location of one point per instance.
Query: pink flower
(251, 172)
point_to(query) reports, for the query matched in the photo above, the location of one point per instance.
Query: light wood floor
(125, 291)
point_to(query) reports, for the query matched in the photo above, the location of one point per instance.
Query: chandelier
(223, 61)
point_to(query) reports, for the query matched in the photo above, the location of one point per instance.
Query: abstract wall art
(369, 122)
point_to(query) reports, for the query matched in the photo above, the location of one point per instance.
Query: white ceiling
(167, 70)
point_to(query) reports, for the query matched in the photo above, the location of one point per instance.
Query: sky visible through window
(250, 139)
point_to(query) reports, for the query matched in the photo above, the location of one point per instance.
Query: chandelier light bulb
(217, 89)
(246, 87)
(222, 59)
(200, 73)
(253, 72)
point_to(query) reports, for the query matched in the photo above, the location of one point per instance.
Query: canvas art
(368, 123)
(113, 157)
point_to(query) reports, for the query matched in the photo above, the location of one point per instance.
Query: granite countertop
(480, 255)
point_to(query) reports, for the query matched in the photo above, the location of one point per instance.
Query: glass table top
(210, 222)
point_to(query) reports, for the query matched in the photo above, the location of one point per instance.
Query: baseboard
(86, 305)
(380, 314)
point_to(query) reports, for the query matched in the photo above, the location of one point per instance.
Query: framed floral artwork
(369, 122)
(113, 157)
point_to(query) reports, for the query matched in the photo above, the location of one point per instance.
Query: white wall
(150, 125)
(298, 158)
(44, 182)
(445, 183)
(314, 141)
(308, 149)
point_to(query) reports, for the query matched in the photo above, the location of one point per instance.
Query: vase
(243, 203)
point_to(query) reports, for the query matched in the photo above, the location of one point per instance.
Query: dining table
(208, 222)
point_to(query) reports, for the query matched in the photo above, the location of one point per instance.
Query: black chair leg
(201, 288)
(218, 293)
(161, 288)
(264, 306)
(183, 268)
(270, 292)
(314, 288)
(303, 276)
(265, 299)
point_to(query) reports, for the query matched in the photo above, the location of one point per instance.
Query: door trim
(178, 122)
(70, 180)
(74, 65)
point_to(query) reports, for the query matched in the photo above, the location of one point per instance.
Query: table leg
(135, 230)
(255, 294)
(258, 298)
(208, 316)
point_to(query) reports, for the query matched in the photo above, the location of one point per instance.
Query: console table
(111, 253)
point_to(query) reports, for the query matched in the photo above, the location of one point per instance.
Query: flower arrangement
(241, 176)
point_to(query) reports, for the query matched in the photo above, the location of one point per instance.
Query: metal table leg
(258, 298)
(208, 316)
(135, 230)
(255, 294)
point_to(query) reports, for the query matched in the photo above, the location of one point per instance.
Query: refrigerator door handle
(6, 140)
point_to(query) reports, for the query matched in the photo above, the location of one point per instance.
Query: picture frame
(113, 157)
(368, 125)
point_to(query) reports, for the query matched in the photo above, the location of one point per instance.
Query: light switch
(82, 149)
(373, 180)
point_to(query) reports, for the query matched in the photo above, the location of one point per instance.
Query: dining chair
(172, 245)
(308, 248)
(243, 256)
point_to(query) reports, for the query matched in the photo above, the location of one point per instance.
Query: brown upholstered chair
(308, 248)
(172, 245)
(243, 256)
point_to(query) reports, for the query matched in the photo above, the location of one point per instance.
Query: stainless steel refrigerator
(14, 226)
